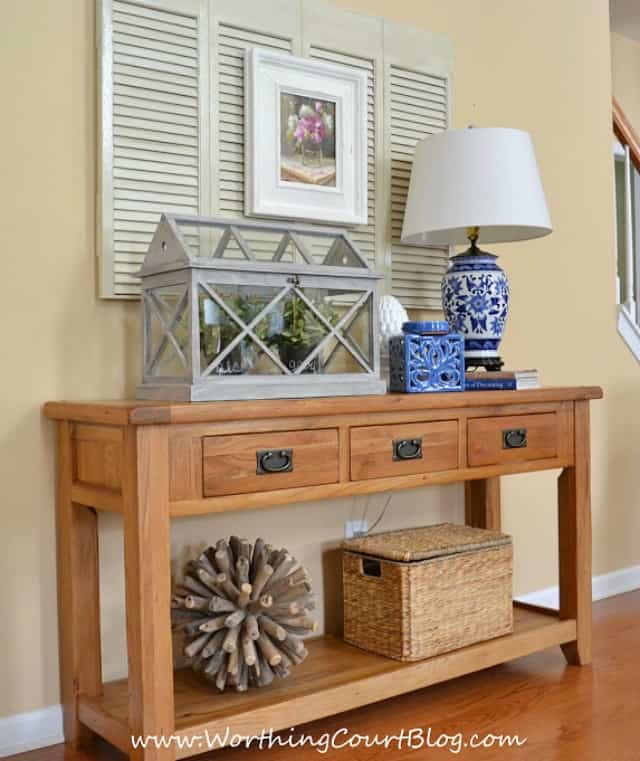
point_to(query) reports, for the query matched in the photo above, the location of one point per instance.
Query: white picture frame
(280, 181)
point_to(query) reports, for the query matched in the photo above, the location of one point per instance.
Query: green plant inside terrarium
(301, 333)
(290, 329)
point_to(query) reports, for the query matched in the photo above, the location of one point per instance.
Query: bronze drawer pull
(274, 461)
(407, 449)
(514, 438)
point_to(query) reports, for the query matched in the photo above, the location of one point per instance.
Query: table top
(137, 412)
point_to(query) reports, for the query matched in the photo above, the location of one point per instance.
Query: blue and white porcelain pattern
(475, 299)
(426, 363)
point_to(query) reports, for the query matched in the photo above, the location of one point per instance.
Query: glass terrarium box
(238, 309)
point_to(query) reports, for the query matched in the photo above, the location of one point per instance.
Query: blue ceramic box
(426, 359)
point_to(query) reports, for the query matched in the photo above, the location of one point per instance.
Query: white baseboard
(31, 730)
(607, 585)
(37, 729)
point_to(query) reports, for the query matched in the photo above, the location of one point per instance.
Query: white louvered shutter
(417, 104)
(236, 27)
(233, 42)
(151, 129)
(172, 118)
(351, 39)
(363, 235)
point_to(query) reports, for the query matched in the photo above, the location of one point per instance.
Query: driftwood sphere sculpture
(244, 610)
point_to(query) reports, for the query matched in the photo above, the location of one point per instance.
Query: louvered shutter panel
(233, 42)
(172, 115)
(417, 103)
(418, 106)
(236, 26)
(352, 39)
(151, 129)
(363, 235)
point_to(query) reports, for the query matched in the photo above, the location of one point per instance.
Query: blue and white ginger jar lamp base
(475, 299)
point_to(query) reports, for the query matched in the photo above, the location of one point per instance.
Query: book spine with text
(493, 384)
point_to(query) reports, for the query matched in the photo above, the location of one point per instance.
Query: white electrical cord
(365, 510)
(381, 516)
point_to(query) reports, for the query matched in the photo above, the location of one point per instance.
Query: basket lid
(427, 542)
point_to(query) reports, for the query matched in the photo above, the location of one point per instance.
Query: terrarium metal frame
(172, 262)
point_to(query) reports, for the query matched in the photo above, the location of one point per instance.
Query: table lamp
(475, 184)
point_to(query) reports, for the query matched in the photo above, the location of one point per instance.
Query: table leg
(148, 588)
(78, 595)
(482, 503)
(574, 540)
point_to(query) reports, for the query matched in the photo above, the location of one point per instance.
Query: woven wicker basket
(416, 593)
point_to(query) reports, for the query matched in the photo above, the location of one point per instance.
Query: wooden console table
(155, 461)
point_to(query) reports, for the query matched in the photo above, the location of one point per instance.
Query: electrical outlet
(355, 528)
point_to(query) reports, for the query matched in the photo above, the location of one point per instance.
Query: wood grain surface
(201, 458)
(230, 462)
(98, 455)
(149, 692)
(335, 677)
(485, 438)
(565, 713)
(136, 412)
(78, 594)
(372, 449)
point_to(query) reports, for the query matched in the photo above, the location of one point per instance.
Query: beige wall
(542, 66)
(625, 76)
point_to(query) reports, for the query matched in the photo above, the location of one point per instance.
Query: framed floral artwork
(305, 139)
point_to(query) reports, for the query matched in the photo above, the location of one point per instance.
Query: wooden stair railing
(628, 287)
(625, 133)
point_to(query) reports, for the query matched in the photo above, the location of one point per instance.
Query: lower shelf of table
(336, 677)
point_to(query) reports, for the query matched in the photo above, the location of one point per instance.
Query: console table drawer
(247, 462)
(396, 450)
(513, 438)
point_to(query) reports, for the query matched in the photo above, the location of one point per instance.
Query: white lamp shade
(475, 177)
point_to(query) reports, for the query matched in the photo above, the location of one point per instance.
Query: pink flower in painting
(319, 106)
(310, 127)
(299, 131)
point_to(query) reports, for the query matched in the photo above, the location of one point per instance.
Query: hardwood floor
(565, 713)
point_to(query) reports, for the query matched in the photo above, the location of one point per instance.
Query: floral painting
(307, 140)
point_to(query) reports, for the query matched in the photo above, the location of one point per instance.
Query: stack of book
(516, 380)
